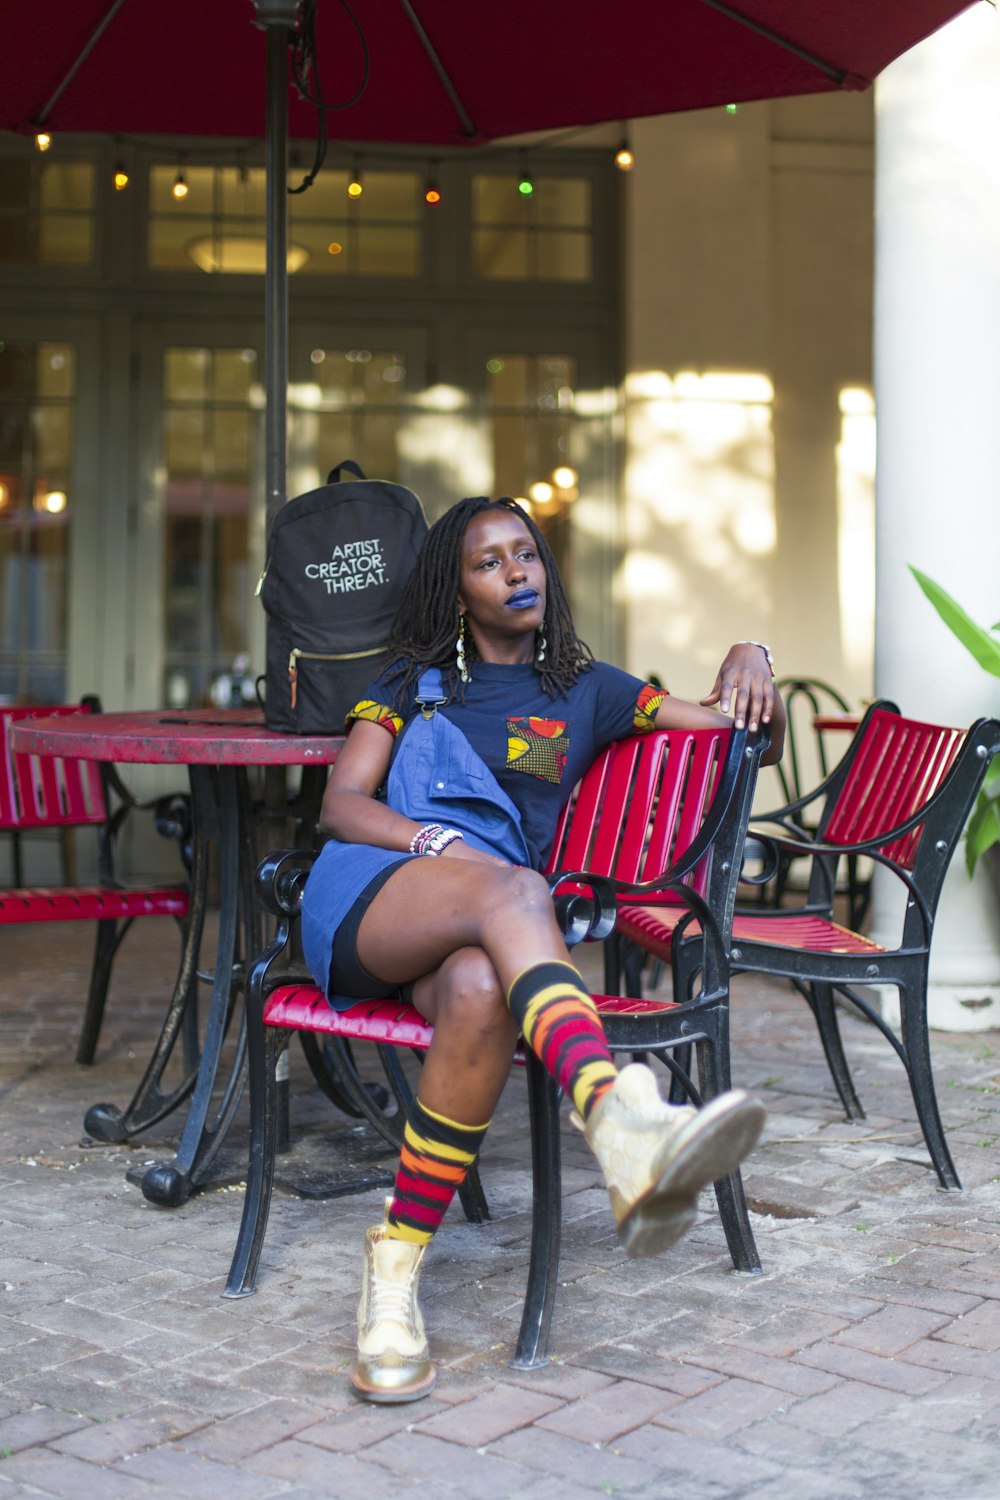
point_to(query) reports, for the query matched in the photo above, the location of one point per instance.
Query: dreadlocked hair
(426, 624)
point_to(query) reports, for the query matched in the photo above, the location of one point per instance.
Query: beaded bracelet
(766, 650)
(433, 838)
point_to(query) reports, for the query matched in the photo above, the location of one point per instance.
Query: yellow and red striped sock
(434, 1162)
(560, 1024)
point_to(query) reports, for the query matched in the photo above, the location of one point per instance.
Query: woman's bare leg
(469, 1057)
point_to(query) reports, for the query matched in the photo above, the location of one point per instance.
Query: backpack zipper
(296, 653)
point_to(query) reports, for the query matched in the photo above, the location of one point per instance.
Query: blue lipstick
(523, 599)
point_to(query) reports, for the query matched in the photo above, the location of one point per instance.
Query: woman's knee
(469, 992)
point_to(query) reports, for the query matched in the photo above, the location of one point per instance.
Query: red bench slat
(89, 903)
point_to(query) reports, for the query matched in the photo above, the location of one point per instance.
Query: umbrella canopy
(431, 72)
(440, 72)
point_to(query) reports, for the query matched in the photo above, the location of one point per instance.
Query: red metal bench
(47, 792)
(900, 797)
(666, 811)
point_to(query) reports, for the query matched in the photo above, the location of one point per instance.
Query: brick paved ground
(864, 1361)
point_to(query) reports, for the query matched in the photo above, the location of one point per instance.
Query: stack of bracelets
(433, 838)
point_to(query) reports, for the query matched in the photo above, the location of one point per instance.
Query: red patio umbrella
(434, 72)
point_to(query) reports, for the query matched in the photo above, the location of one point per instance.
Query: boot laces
(392, 1302)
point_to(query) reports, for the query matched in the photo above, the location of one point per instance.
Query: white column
(937, 385)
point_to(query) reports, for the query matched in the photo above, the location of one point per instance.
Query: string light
(180, 188)
(121, 178)
(625, 157)
(43, 140)
(432, 193)
(355, 187)
(525, 186)
(732, 109)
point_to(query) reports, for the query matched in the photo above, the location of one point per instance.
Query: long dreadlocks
(426, 624)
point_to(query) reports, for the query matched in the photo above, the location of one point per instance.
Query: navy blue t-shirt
(537, 747)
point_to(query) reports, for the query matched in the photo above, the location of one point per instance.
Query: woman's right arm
(349, 810)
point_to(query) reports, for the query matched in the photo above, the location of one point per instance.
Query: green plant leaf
(983, 830)
(974, 638)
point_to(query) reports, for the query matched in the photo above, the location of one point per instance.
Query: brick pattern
(863, 1361)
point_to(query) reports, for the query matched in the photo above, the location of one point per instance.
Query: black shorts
(348, 976)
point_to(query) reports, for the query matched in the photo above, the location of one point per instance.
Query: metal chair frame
(49, 792)
(662, 814)
(900, 797)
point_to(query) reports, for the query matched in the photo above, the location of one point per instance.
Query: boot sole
(393, 1397)
(713, 1144)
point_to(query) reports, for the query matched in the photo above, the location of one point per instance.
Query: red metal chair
(663, 813)
(900, 797)
(47, 792)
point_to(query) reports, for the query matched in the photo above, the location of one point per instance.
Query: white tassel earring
(463, 670)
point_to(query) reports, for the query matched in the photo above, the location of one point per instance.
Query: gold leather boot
(657, 1157)
(393, 1361)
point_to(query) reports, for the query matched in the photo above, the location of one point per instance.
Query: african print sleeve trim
(646, 706)
(376, 713)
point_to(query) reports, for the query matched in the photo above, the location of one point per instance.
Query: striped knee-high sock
(560, 1024)
(434, 1162)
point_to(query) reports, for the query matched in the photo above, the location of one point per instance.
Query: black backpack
(337, 560)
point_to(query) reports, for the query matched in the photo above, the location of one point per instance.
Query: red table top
(181, 737)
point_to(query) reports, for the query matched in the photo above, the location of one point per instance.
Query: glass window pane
(495, 199)
(500, 254)
(388, 250)
(327, 246)
(184, 441)
(185, 374)
(242, 192)
(200, 189)
(65, 240)
(53, 439)
(170, 242)
(66, 185)
(508, 382)
(562, 201)
(37, 386)
(231, 439)
(56, 369)
(233, 374)
(563, 256)
(389, 195)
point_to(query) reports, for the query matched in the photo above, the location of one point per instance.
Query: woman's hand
(744, 686)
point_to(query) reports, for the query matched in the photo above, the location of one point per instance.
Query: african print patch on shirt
(377, 713)
(646, 706)
(538, 746)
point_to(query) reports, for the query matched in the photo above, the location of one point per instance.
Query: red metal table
(217, 747)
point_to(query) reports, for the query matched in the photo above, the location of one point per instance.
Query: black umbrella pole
(276, 271)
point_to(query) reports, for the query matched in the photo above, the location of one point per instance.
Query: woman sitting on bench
(471, 939)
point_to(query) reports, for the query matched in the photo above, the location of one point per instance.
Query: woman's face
(502, 584)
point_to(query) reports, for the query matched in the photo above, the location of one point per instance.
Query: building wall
(749, 435)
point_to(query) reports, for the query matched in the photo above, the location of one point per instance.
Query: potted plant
(982, 836)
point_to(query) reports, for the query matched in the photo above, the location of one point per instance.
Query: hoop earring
(463, 670)
(542, 643)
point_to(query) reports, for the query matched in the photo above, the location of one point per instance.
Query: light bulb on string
(525, 186)
(732, 109)
(432, 193)
(180, 188)
(43, 140)
(120, 177)
(356, 186)
(625, 157)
